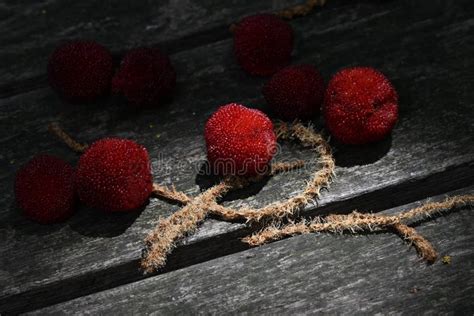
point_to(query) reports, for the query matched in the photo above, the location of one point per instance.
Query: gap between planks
(228, 243)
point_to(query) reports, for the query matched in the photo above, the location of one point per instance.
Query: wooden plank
(173, 25)
(342, 274)
(430, 149)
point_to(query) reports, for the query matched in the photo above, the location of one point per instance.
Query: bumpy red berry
(44, 189)
(360, 106)
(114, 175)
(240, 141)
(145, 77)
(263, 44)
(80, 71)
(295, 92)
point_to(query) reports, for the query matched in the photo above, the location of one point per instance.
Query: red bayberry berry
(240, 141)
(146, 77)
(80, 71)
(295, 92)
(114, 175)
(44, 189)
(360, 106)
(263, 44)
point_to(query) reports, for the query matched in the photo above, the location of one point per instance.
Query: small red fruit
(44, 189)
(145, 77)
(263, 44)
(80, 71)
(240, 141)
(295, 92)
(360, 106)
(114, 175)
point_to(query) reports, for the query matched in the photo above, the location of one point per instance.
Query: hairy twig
(55, 129)
(293, 11)
(320, 179)
(355, 222)
(162, 239)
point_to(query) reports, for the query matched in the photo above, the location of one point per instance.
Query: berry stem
(173, 195)
(424, 248)
(293, 11)
(300, 9)
(57, 130)
(320, 179)
(161, 241)
(356, 222)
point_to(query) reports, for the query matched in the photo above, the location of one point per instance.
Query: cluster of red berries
(359, 106)
(113, 175)
(82, 71)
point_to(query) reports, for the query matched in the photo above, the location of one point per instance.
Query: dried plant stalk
(300, 9)
(170, 194)
(162, 239)
(424, 248)
(320, 179)
(180, 197)
(355, 222)
(294, 11)
(55, 129)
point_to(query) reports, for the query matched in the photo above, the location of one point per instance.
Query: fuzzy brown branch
(424, 248)
(320, 179)
(430, 209)
(172, 194)
(162, 239)
(355, 222)
(293, 11)
(300, 9)
(55, 129)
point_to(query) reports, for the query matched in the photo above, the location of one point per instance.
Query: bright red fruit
(114, 175)
(360, 106)
(44, 189)
(80, 71)
(145, 77)
(240, 141)
(263, 44)
(295, 92)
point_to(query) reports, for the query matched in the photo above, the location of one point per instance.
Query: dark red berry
(145, 77)
(263, 44)
(360, 106)
(114, 175)
(80, 71)
(44, 189)
(295, 92)
(240, 141)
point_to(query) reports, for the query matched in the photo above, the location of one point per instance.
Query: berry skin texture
(114, 175)
(44, 189)
(360, 106)
(263, 44)
(80, 71)
(295, 92)
(240, 141)
(146, 77)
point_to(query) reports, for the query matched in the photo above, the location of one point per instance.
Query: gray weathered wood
(31, 31)
(310, 274)
(427, 53)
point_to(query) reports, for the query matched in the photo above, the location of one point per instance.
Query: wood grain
(316, 273)
(119, 25)
(425, 48)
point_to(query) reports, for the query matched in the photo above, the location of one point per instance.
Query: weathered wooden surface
(425, 48)
(331, 274)
(119, 25)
